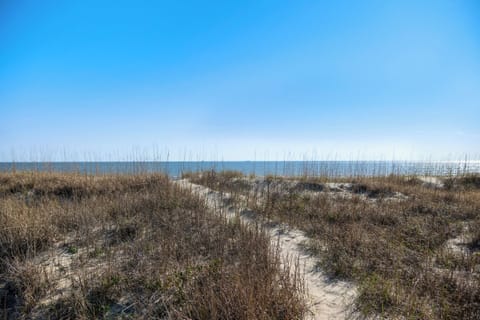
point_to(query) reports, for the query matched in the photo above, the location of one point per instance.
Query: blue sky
(238, 80)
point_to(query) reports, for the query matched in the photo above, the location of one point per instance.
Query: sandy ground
(327, 298)
(433, 182)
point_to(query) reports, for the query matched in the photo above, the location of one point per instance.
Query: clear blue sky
(238, 80)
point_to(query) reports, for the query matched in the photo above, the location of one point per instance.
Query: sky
(239, 80)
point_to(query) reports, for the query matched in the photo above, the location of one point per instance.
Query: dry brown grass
(412, 249)
(81, 246)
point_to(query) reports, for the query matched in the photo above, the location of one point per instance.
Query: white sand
(327, 299)
(430, 181)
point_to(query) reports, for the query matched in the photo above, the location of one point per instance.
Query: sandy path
(327, 299)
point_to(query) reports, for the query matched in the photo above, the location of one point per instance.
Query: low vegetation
(411, 247)
(132, 246)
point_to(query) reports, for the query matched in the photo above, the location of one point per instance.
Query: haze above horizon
(247, 80)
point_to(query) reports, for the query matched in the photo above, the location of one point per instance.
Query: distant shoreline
(332, 168)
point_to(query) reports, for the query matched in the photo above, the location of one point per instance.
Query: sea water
(260, 168)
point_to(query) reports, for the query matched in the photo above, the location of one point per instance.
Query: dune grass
(412, 247)
(132, 246)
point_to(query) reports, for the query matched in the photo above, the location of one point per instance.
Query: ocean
(260, 168)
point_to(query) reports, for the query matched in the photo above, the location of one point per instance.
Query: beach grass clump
(231, 180)
(467, 181)
(132, 246)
